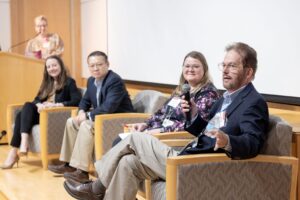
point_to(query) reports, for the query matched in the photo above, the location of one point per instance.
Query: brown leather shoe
(82, 191)
(79, 176)
(61, 169)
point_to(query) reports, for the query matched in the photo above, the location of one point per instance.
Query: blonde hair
(205, 79)
(40, 18)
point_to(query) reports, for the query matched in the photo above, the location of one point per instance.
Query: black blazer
(246, 126)
(113, 97)
(69, 95)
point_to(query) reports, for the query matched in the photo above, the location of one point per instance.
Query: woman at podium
(44, 44)
(57, 89)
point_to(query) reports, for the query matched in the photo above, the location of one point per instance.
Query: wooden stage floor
(29, 181)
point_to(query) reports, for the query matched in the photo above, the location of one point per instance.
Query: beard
(236, 82)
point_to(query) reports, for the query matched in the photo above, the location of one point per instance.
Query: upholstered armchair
(108, 126)
(270, 175)
(46, 138)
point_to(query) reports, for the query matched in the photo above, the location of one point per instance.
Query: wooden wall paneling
(283, 106)
(76, 41)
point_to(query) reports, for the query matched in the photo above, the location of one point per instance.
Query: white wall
(93, 29)
(5, 36)
(148, 39)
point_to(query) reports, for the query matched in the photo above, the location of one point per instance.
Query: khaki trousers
(78, 144)
(138, 157)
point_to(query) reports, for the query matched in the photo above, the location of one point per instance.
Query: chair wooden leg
(45, 162)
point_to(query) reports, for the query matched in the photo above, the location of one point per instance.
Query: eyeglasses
(41, 25)
(230, 66)
(97, 65)
(191, 66)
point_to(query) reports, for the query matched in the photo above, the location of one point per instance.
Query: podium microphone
(20, 43)
(186, 93)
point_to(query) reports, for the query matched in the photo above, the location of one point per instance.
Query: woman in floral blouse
(44, 44)
(170, 117)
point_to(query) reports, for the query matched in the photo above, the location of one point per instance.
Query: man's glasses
(233, 67)
(41, 25)
(96, 65)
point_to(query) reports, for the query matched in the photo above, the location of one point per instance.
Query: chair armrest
(175, 139)
(174, 135)
(11, 113)
(214, 169)
(72, 109)
(108, 126)
(176, 142)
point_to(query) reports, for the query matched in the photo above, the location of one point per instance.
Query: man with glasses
(237, 126)
(106, 93)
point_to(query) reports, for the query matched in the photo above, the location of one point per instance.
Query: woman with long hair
(170, 117)
(57, 89)
(195, 73)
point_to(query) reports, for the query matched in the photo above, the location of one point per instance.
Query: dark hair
(206, 77)
(47, 85)
(98, 53)
(248, 54)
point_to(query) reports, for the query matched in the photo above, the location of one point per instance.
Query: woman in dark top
(57, 90)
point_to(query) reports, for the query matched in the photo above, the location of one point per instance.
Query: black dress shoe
(61, 169)
(82, 191)
(78, 175)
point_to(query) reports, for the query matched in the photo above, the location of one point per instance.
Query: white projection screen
(148, 39)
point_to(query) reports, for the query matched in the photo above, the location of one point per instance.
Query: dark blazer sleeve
(70, 95)
(197, 126)
(199, 123)
(112, 94)
(37, 100)
(247, 138)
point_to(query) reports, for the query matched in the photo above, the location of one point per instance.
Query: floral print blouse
(52, 45)
(204, 100)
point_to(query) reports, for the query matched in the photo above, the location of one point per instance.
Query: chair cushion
(112, 128)
(148, 101)
(279, 138)
(34, 139)
(158, 190)
(56, 126)
(234, 180)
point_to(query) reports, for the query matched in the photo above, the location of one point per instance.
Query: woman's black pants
(24, 121)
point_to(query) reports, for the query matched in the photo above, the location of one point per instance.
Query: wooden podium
(20, 79)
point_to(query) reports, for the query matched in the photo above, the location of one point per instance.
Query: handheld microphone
(186, 93)
(20, 43)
